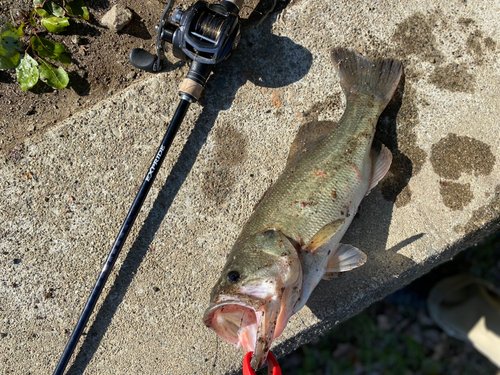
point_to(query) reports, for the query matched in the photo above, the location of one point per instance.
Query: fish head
(254, 297)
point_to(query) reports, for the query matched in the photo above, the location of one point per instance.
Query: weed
(32, 59)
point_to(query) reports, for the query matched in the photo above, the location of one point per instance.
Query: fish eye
(233, 276)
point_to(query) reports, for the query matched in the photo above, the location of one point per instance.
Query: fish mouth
(248, 324)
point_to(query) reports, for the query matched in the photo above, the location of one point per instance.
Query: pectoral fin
(343, 259)
(324, 235)
(380, 166)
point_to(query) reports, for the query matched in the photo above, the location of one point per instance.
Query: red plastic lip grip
(273, 367)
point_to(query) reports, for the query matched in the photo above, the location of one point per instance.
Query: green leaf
(10, 46)
(55, 9)
(32, 18)
(27, 72)
(9, 30)
(53, 50)
(55, 24)
(9, 62)
(9, 40)
(47, 9)
(77, 8)
(55, 77)
(43, 13)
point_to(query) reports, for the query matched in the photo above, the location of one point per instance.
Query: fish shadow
(385, 270)
(266, 52)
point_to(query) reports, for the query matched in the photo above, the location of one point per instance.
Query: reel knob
(142, 59)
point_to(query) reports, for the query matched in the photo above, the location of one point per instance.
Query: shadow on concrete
(262, 58)
(405, 243)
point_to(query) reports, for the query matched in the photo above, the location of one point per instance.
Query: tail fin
(359, 74)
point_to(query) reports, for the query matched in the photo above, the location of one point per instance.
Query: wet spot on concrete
(453, 77)
(480, 47)
(417, 36)
(490, 44)
(230, 146)
(474, 43)
(407, 139)
(217, 184)
(403, 198)
(483, 215)
(454, 155)
(230, 150)
(414, 36)
(455, 195)
(466, 21)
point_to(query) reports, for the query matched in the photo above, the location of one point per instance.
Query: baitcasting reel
(204, 34)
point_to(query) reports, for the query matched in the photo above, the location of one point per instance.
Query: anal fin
(343, 259)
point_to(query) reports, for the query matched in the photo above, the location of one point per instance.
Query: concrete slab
(64, 194)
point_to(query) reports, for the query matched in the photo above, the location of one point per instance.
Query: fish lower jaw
(235, 322)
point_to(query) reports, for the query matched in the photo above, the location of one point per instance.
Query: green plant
(32, 59)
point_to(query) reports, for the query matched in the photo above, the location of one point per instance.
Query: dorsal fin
(307, 137)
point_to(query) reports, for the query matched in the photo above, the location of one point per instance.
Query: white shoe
(468, 309)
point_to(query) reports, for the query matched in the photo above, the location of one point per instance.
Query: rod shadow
(262, 58)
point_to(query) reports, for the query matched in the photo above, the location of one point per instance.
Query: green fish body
(292, 239)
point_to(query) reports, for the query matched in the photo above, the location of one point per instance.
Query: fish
(292, 239)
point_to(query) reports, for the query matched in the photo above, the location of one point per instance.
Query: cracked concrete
(65, 193)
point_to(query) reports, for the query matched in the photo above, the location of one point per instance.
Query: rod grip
(191, 88)
(194, 82)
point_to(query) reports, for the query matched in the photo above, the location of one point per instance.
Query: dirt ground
(99, 68)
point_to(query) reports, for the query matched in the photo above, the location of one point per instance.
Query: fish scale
(287, 204)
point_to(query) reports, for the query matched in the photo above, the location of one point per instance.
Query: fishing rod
(203, 35)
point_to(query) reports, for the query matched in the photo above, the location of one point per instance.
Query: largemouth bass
(292, 239)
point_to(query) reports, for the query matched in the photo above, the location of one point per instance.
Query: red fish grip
(273, 367)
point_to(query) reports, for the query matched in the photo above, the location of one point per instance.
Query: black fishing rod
(203, 35)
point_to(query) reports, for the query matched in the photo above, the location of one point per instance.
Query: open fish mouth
(251, 311)
(249, 325)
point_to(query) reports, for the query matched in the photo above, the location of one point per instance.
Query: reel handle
(142, 59)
